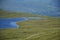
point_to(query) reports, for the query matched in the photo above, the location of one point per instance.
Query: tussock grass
(32, 29)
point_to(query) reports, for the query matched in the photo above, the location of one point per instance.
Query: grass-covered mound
(32, 29)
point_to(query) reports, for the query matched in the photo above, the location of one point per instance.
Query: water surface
(10, 22)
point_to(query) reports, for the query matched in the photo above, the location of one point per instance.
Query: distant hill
(40, 7)
(4, 14)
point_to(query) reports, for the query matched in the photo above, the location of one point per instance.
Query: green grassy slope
(32, 29)
(4, 14)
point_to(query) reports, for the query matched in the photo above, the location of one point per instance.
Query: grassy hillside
(32, 29)
(4, 14)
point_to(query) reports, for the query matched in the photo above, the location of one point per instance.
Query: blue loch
(10, 22)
